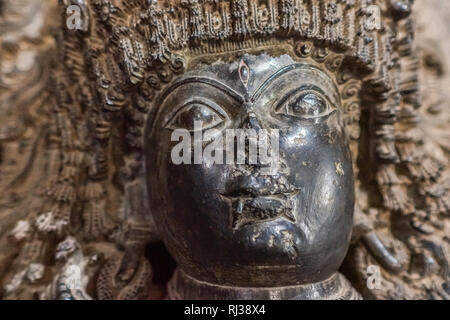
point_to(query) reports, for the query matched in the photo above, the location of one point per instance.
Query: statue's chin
(282, 251)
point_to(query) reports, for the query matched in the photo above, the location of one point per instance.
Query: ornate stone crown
(152, 34)
(218, 26)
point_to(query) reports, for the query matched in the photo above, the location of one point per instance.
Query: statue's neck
(184, 287)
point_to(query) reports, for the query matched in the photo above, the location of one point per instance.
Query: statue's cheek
(320, 165)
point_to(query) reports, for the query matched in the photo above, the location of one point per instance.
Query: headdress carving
(106, 77)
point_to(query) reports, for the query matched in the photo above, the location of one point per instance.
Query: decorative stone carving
(85, 122)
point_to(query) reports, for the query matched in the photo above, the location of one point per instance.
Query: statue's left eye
(204, 112)
(305, 105)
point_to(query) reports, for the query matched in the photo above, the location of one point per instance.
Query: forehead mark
(244, 73)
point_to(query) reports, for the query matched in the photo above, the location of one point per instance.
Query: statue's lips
(252, 186)
(254, 193)
(248, 208)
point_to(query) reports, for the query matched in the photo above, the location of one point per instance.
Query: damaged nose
(252, 122)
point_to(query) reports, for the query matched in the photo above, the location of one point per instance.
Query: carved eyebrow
(266, 83)
(296, 90)
(212, 82)
(280, 73)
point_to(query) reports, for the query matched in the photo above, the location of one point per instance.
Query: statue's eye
(202, 111)
(305, 105)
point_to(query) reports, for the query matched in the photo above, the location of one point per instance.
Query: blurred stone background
(433, 20)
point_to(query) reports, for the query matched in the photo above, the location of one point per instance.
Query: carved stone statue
(231, 224)
(95, 93)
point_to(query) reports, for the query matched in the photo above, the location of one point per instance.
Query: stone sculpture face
(233, 223)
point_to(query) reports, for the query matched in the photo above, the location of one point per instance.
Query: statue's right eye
(203, 112)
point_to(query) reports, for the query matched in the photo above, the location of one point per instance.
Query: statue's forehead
(249, 75)
(245, 74)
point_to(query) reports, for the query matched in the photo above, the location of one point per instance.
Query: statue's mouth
(249, 192)
(257, 185)
(250, 207)
(257, 198)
